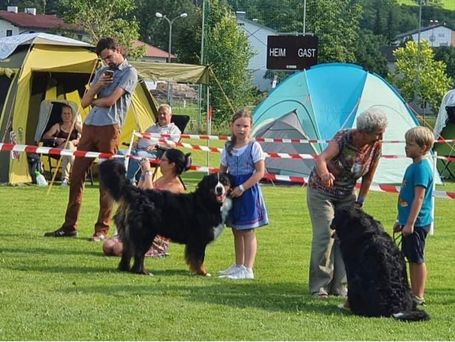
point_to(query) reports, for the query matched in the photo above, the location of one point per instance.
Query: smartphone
(109, 73)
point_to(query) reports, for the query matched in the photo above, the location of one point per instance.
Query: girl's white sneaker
(243, 273)
(231, 270)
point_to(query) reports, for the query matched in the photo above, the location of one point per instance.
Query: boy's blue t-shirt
(417, 174)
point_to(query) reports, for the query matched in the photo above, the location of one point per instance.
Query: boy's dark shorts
(413, 245)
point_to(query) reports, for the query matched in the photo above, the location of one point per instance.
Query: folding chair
(181, 121)
(50, 114)
(449, 149)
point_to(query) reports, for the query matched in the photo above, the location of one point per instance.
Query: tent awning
(187, 73)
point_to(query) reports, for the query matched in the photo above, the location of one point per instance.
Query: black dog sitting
(192, 219)
(375, 267)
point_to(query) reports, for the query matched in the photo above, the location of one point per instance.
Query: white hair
(371, 120)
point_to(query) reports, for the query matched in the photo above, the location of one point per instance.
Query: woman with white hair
(350, 155)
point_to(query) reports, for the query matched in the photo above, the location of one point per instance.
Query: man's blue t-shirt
(417, 174)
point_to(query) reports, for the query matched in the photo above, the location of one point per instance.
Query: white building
(257, 37)
(438, 35)
(13, 23)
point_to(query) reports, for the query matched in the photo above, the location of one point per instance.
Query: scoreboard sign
(291, 52)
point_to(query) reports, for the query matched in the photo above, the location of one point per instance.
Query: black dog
(192, 219)
(375, 267)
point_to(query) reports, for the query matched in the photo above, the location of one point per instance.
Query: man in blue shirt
(109, 95)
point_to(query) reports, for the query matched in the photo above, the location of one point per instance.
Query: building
(152, 53)
(13, 23)
(257, 37)
(438, 35)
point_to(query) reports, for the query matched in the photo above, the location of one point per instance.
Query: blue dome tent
(316, 103)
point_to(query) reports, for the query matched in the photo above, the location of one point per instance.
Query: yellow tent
(42, 66)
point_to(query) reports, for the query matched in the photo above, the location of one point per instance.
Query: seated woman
(60, 132)
(172, 164)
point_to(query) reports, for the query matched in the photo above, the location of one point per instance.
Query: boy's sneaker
(231, 270)
(243, 273)
(64, 182)
(322, 294)
(418, 300)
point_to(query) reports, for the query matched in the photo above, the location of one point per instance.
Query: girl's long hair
(242, 113)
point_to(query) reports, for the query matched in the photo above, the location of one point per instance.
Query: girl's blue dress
(248, 211)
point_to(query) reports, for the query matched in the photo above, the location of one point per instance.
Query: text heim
(277, 52)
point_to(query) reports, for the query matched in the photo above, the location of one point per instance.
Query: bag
(34, 164)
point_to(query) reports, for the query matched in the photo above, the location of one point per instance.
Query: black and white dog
(193, 219)
(375, 267)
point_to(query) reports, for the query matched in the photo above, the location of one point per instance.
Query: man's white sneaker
(231, 270)
(242, 274)
(64, 182)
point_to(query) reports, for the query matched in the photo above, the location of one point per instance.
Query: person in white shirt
(154, 147)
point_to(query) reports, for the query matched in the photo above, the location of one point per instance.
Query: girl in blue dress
(243, 160)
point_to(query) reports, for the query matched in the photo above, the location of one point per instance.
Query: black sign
(291, 52)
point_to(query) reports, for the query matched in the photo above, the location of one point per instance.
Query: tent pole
(209, 123)
(433, 202)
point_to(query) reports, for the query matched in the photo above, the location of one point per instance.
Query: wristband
(241, 187)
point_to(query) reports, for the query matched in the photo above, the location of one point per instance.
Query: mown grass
(65, 289)
(446, 4)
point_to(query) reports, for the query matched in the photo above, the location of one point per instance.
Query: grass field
(65, 289)
(447, 4)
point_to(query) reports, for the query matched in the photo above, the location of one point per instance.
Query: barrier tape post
(127, 158)
(433, 202)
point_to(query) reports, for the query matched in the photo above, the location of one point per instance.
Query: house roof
(38, 21)
(152, 51)
(422, 29)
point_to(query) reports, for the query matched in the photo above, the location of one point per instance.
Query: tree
(336, 23)
(447, 55)
(186, 32)
(104, 18)
(368, 52)
(228, 53)
(418, 68)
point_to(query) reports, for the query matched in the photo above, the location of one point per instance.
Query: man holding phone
(109, 95)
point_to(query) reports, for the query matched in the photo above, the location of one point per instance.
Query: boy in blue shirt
(415, 207)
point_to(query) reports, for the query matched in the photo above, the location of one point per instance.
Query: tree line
(353, 31)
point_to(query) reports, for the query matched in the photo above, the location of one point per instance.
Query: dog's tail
(113, 179)
(410, 316)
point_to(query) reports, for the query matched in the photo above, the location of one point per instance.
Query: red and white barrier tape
(260, 139)
(268, 176)
(279, 155)
(87, 154)
(304, 181)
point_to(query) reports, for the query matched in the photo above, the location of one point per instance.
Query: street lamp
(170, 22)
(433, 23)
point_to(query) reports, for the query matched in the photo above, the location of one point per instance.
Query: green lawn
(65, 289)
(447, 4)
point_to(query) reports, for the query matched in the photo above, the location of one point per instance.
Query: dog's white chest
(225, 208)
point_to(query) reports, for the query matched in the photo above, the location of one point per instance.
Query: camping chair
(446, 164)
(50, 114)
